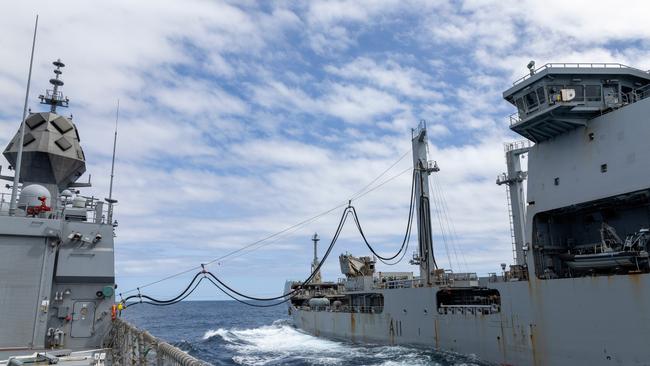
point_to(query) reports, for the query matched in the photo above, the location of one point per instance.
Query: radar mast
(53, 96)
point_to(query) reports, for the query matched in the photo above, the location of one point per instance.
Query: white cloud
(239, 120)
(389, 75)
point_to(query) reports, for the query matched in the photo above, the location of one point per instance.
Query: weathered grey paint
(52, 267)
(571, 321)
(589, 320)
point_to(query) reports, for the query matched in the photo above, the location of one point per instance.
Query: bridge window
(531, 100)
(593, 93)
(520, 105)
(541, 96)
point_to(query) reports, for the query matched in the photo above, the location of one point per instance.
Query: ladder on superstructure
(512, 225)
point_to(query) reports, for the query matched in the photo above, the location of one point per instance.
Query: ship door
(83, 319)
(610, 94)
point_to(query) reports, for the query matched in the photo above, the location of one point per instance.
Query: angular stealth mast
(50, 150)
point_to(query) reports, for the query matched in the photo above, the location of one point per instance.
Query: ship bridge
(556, 98)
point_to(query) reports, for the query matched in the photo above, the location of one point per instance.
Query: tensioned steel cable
(229, 291)
(347, 211)
(357, 195)
(185, 292)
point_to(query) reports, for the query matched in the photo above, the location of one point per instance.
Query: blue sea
(229, 333)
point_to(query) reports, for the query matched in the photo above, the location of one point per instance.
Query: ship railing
(468, 309)
(636, 95)
(5, 206)
(517, 145)
(399, 284)
(577, 65)
(94, 210)
(132, 346)
(362, 309)
(5, 203)
(514, 118)
(344, 309)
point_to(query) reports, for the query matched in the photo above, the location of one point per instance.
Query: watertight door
(83, 319)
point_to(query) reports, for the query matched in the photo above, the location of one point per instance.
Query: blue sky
(239, 119)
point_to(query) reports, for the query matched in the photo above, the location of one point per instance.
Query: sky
(239, 119)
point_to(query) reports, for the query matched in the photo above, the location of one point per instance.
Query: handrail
(515, 145)
(132, 346)
(636, 95)
(577, 65)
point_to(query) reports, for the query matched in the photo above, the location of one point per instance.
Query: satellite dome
(29, 196)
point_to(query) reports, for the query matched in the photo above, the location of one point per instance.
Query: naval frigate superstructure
(57, 276)
(578, 292)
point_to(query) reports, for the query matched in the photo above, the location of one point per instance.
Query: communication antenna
(21, 139)
(314, 265)
(315, 239)
(54, 97)
(110, 199)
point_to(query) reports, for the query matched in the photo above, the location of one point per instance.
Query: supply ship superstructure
(578, 292)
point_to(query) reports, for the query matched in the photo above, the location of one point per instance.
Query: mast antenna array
(110, 200)
(54, 97)
(19, 158)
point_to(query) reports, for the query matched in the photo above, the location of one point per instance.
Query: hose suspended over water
(277, 300)
(407, 234)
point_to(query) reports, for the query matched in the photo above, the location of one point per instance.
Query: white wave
(276, 338)
(281, 343)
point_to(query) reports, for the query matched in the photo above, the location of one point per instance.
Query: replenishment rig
(578, 291)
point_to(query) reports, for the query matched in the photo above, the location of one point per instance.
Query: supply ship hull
(578, 292)
(572, 321)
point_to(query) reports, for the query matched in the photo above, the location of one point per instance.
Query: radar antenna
(54, 97)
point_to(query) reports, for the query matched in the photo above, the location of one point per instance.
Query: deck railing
(94, 210)
(575, 65)
(132, 346)
(636, 95)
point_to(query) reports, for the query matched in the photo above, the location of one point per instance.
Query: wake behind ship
(578, 292)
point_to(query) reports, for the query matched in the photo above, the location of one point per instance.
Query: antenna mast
(19, 157)
(314, 265)
(110, 199)
(54, 97)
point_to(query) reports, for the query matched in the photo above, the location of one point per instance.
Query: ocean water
(229, 333)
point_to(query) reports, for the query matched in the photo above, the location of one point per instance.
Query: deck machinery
(578, 292)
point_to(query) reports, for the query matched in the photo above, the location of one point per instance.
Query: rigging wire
(185, 293)
(364, 191)
(335, 238)
(286, 234)
(407, 235)
(443, 233)
(451, 227)
(229, 291)
(358, 193)
(295, 226)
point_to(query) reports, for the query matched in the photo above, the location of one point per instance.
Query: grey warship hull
(57, 263)
(577, 293)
